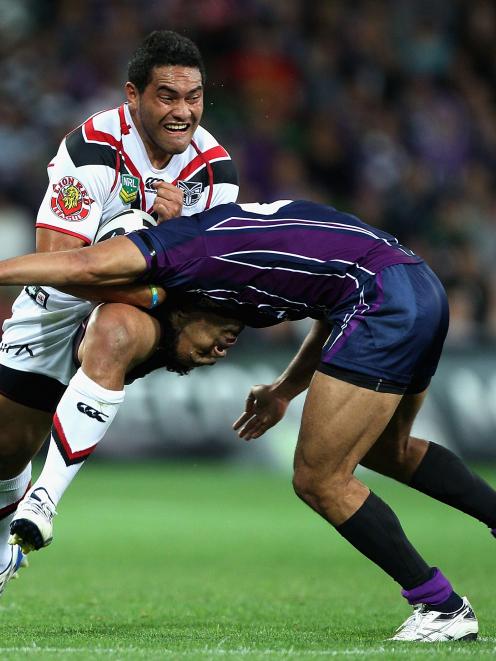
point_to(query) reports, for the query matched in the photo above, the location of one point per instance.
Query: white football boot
(32, 528)
(427, 625)
(17, 560)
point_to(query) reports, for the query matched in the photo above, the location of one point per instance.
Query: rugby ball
(123, 223)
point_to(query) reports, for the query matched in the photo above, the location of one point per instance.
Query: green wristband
(155, 300)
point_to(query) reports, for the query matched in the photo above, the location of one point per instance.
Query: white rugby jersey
(102, 168)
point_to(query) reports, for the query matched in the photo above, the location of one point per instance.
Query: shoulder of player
(96, 140)
(207, 161)
(204, 142)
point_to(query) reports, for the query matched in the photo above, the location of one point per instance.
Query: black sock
(442, 475)
(452, 604)
(375, 531)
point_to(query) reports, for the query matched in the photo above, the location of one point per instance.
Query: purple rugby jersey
(272, 262)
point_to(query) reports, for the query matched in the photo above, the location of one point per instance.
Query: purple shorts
(389, 335)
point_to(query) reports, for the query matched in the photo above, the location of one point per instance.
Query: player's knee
(316, 489)
(111, 336)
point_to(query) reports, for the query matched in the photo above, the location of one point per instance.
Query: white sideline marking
(399, 650)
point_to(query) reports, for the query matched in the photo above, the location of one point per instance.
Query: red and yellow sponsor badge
(70, 200)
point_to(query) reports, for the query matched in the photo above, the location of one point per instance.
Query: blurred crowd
(384, 108)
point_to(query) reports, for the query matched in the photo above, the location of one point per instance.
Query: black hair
(163, 48)
(179, 308)
(193, 303)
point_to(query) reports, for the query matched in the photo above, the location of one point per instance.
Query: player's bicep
(48, 240)
(117, 261)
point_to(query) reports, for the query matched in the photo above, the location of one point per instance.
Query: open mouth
(176, 128)
(221, 348)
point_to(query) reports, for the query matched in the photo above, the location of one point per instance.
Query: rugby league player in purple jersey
(380, 320)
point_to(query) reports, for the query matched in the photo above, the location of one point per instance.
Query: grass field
(161, 562)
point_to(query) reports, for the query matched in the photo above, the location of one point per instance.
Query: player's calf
(22, 433)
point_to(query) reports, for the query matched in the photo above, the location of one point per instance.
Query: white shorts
(39, 336)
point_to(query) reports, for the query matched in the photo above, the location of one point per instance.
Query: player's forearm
(114, 262)
(298, 374)
(139, 295)
(59, 268)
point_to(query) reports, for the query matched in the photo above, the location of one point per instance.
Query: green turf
(160, 562)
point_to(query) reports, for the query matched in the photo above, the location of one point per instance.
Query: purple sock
(433, 592)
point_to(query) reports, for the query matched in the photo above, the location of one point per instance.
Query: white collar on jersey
(265, 209)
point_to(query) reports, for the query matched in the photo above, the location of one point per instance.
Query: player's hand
(263, 409)
(169, 201)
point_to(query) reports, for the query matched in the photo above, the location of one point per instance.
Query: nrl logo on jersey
(129, 188)
(192, 191)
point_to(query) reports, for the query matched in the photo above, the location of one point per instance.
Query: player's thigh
(117, 332)
(22, 433)
(393, 443)
(340, 422)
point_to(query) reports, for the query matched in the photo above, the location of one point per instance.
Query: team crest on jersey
(70, 200)
(192, 191)
(129, 188)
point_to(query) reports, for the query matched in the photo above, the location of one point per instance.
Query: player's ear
(132, 93)
(179, 319)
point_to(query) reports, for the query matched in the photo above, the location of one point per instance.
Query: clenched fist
(169, 201)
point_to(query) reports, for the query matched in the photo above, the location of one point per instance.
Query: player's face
(168, 111)
(205, 340)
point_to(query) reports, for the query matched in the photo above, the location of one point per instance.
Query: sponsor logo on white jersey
(70, 200)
